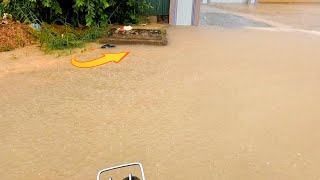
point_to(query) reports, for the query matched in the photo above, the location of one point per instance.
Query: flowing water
(213, 104)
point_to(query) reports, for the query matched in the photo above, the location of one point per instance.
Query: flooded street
(293, 15)
(213, 104)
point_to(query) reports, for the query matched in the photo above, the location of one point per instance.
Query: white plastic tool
(122, 166)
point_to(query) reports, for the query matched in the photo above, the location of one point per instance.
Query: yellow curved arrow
(105, 58)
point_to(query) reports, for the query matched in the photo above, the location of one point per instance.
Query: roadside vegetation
(62, 24)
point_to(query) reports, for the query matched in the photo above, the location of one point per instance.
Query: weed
(93, 33)
(18, 39)
(6, 48)
(53, 38)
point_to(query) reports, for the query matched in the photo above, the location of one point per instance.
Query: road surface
(214, 104)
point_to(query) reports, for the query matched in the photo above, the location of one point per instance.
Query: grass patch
(53, 37)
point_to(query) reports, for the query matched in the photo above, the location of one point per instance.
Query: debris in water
(125, 28)
(108, 46)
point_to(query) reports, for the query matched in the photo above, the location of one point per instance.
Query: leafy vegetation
(3, 8)
(77, 12)
(127, 11)
(73, 16)
(66, 37)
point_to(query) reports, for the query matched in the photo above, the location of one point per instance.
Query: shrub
(76, 12)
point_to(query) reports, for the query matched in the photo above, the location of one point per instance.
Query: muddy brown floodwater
(213, 104)
(295, 15)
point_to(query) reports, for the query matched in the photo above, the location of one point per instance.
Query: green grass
(53, 39)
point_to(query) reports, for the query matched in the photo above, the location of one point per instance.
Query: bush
(78, 12)
(23, 11)
(70, 13)
(127, 11)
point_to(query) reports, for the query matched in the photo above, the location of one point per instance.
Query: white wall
(184, 12)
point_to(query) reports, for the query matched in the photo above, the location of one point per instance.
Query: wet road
(213, 104)
(213, 15)
(293, 15)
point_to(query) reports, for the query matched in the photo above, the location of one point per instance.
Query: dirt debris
(14, 35)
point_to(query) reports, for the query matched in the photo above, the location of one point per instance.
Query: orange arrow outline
(86, 64)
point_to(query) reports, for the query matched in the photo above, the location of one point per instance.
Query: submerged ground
(216, 103)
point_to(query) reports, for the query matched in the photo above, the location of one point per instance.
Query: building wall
(184, 12)
(178, 11)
